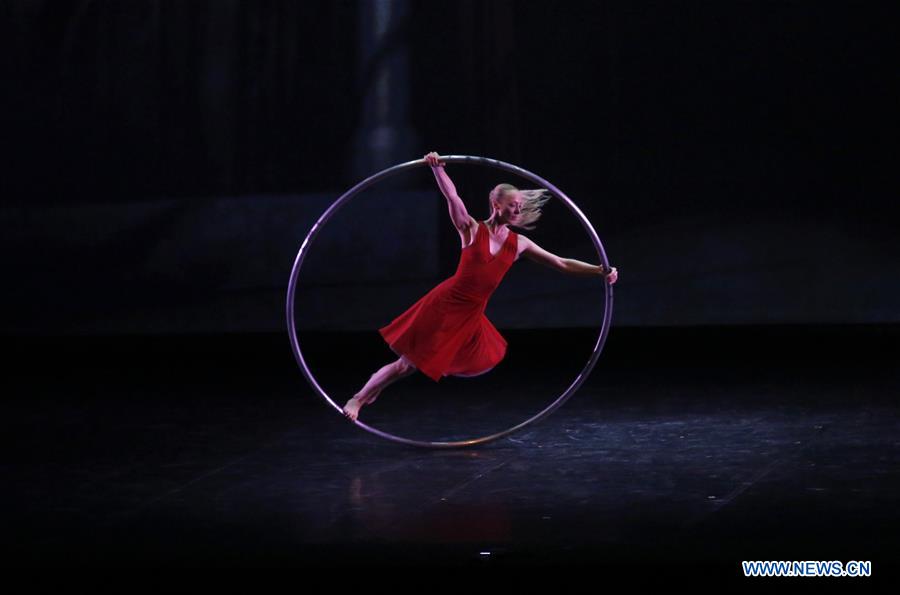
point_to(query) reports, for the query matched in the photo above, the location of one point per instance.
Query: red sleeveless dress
(446, 332)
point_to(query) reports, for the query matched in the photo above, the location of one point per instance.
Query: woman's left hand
(612, 275)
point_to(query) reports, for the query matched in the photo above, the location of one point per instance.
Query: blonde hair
(532, 201)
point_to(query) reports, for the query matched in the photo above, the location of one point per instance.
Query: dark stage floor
(702, 447)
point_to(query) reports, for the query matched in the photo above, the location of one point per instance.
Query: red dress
(446, 332)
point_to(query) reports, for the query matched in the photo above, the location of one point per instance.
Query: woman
(446, 332)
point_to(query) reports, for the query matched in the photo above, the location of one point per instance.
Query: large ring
(311, 236)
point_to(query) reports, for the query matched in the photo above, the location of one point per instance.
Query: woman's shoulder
(522, 242)
(468, 234)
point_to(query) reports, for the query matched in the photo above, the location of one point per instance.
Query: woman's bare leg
(377, 382)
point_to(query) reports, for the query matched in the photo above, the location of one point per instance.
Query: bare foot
(351, 409)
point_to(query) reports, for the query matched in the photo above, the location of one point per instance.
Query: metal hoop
(311, 236)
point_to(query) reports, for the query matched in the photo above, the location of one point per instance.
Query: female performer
(446, 332)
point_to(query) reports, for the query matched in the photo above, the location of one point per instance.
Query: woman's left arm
(581, 269)
(565, 265)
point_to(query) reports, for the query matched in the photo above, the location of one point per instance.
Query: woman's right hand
(433, 159)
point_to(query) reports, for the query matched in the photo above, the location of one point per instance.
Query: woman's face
(510, 206)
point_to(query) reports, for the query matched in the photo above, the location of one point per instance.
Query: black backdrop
(665, 119)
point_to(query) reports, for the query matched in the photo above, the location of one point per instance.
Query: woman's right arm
(458, 213)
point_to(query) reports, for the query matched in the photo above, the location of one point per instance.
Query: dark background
(164, 160)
